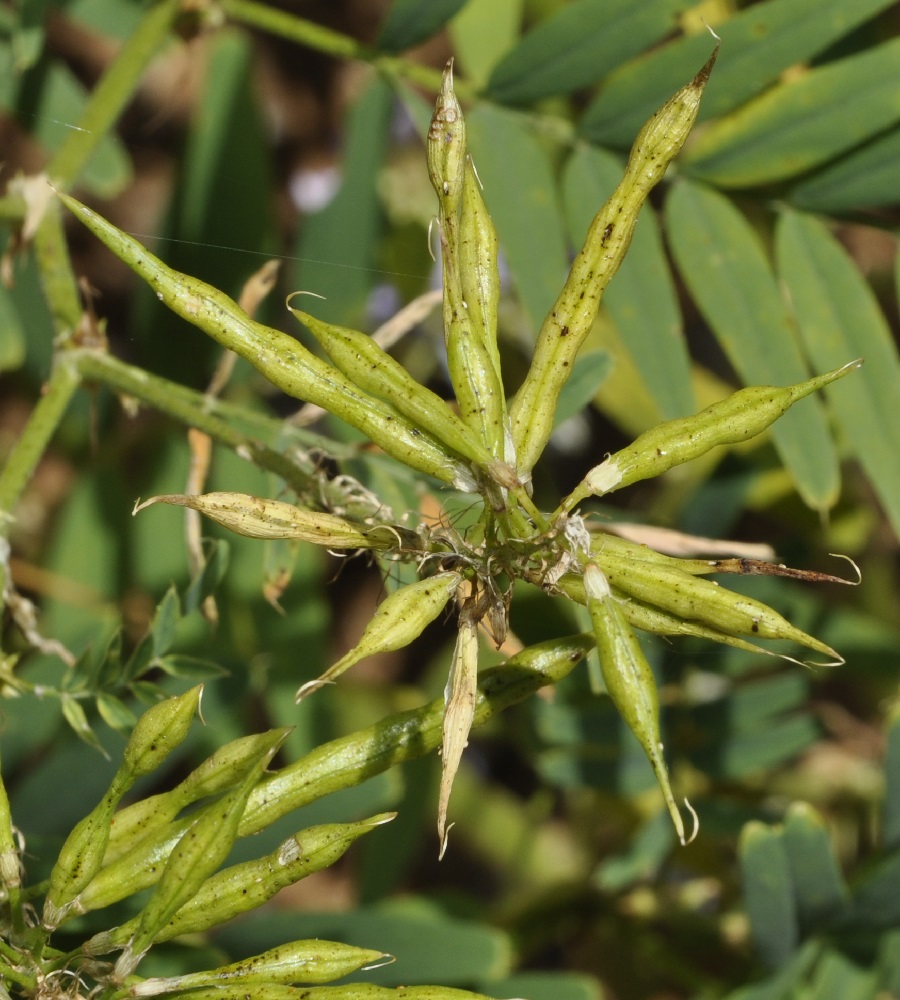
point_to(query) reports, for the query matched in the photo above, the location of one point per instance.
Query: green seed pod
(470, 311)
(201, 850)
(694, 598)
(345, 762)
(658, 622)
(459, 713)
(571, 318)
(217, 773)
(350, 991)
(399, 619)
(375, 371)
(248, 885)
(298, 962)
(282, 359)
(739, 417)
(143, 865)
(478, 271)
(629, 680)
(10, 865)
(259, 517)
(473, 365)
(445, 146)
(159, 730)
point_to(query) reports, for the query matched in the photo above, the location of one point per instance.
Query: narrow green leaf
(225, 208)
(345, 231)
(115, 713)
(802, 123)
(891, 811)
(547, 986)
(578, 45)
(206, 581)
(758, 44)
(864, 178)
(519, 189)
(838, 316)
(768, 893)
(820, 892)
(649, 847)
(838, 977)
(74, 714)
(650, 325)
(61, 103)
(737, 755)
(482, 32)
(409, 22)
(723, 264)
(12, 338)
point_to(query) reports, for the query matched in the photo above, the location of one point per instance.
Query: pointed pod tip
(444, 834)
(305, 690)
(702, 77)
(696, 827)
(140, 505)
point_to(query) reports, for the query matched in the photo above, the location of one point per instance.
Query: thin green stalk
(34, 440)
(56, 274)
(15, 976)
(189, 408)
(113, 93)
(27, 451)
(333, 43)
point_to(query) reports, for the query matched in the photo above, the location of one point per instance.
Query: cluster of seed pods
(488, 445)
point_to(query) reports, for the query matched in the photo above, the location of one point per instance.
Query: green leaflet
(761, 40)
(578, 45)
(409, 22)
(865, 177)
(837, 314)
(725, 267)
(778, 135)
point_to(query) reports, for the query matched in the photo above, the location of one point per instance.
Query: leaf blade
(726, 270)
(578, 45)
(837, 314)
(802, 123)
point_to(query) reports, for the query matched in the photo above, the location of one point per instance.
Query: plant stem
(190, 409)
(56, 275)
(114, 91)
(333, 43)
(31, 445)
(40, 428)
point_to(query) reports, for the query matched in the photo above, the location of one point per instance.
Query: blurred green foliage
(769, 255)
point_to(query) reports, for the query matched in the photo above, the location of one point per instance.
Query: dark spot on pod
(754, 627)
(607, 233)
(564, 332)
